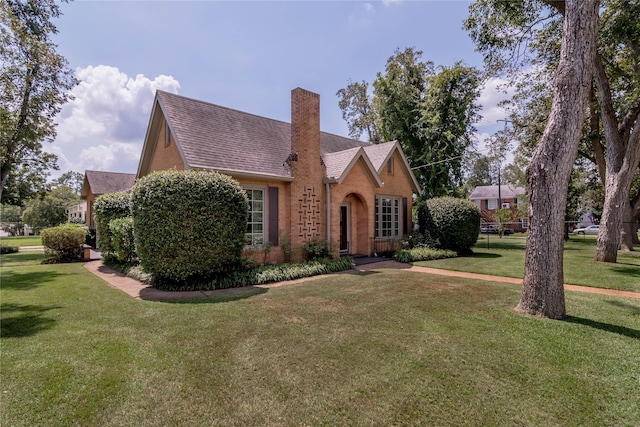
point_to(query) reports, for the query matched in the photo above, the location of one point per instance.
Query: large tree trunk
(622, 157)
(549, 170)
(629, 229)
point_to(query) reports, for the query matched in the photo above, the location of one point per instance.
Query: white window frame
(257, 238)
(492, 203)
(388, 223)
(505, 206)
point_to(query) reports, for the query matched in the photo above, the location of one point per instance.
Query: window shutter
(407, 215)
(273, 215)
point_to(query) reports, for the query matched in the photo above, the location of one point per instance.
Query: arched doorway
(354, 226)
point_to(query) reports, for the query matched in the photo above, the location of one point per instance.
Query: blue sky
(246, 55)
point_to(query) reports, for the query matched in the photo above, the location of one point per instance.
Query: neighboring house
(97, 183)
(76, 212)
(302, 183)
(489, 198)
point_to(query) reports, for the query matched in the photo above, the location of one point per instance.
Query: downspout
(328, 193)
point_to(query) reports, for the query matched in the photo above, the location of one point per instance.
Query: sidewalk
(144, 292)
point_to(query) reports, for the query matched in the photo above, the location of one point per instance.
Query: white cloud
(492, 94)
(104, 126)
(391, 2)
(369, 8)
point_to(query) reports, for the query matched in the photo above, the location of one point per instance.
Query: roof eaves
(246, 174)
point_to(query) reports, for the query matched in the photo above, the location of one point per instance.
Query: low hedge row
(8, 249)
(63, 243)
(423, 254)
(261, 275)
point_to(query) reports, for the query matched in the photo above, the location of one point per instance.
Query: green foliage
(503, 217)
(34, 84)
(49, 211)
(71, 179)
(316, 248)
(8, 249)
(105, 209)
(430, 113)
(122, 238)
(453, 223)
(423, 254)
(63, 243)
(262, 275)
(188, 224)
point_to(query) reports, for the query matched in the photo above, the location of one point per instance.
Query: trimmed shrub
(8, 249)
(188, 224)
(452, 223)
(121, 231)
(63, 243)
(423, 254)
(107, 208)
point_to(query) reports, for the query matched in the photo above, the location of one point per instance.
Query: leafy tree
(358, 111)
(611, 137)
(71, 179)
(430, 113)
(34, 83)
(498, 28)
(49, 211)
(502, 217)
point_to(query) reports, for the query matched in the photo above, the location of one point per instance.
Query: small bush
(316, 248)
(423, 254)
(8, 249)
(450, 223)
(188, 225)
(107, 208)
(121, 231)
(63, 243)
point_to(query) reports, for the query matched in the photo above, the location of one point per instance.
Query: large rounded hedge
(108, 207)
(453, 223)
(188, 224)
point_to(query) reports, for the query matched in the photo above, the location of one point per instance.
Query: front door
(344, 229)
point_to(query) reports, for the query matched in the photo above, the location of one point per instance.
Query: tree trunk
(629, 229)
(622, 157)
(550, 168)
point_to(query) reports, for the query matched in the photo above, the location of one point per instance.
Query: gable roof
(211, 136)
(375, 157)
(100, 182)
(507, 191)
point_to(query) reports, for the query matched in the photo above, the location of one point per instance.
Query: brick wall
(307, 197)
(165, 156)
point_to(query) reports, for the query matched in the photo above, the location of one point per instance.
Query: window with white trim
(255, 234)
(390, 166)
(388, 216)
(492, 204)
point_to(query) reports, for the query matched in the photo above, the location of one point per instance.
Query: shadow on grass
(217, 296)
(27, 281)
(481, 255)
(620, 330)
(632, 309)
(633, 271)
(24, 320)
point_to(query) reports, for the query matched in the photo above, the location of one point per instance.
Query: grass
(505, 257)
(388, 347)
(21, 240)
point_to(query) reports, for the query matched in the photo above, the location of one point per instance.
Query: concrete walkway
(142, 291)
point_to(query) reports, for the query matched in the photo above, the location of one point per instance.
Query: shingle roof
(216, 137)
(107, 182)
(379, 153)
(507, 191)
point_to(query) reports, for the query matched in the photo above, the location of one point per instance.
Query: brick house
(491, 197)
(97, 183)
(302, 183)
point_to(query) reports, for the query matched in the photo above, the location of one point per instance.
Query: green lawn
(378, 348)
(21, 241)
(505, 257)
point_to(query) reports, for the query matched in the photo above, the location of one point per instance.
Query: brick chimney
(307, 189)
